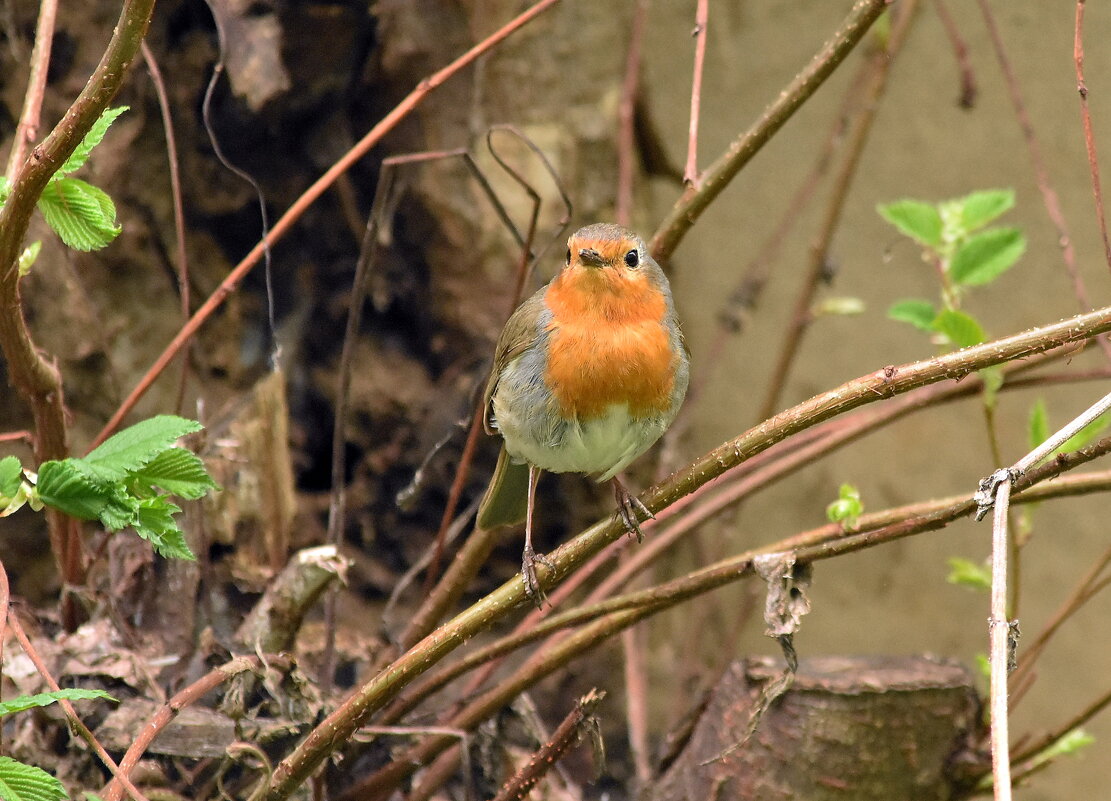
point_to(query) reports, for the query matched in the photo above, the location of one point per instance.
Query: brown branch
(29, 118)
(626, 117)
(35, 377)
(383, 687)
(182, 260)
(294, 213)
(562, 740)
(819, 269)
(1089, 137)
(969, 90)
(701, 19)
(717, 176)
(113, 791)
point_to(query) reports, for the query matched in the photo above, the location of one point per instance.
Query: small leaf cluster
(83, 215)
(22, 782)
(848, 507)
(126, 482)
(954, 236)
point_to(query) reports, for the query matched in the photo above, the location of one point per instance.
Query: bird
(588, 373)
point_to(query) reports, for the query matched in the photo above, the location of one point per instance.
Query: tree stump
(882, 728)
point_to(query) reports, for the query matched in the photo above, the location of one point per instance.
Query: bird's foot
(533, 590)
(631, 509)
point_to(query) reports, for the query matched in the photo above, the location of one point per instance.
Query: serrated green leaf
(959, 328)
(919, 313)
(156, 524)
(27, 257)
(1037, 425)
(63, 486)
(982, 258)
(91, 140)
(46, 699)
(80, 213)
(133, 448)
(179, 472)
(920, 221)
(19, 782)
(11, 475)
(969, 574)
(980, 208)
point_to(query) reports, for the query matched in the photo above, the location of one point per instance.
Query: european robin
(588, 373)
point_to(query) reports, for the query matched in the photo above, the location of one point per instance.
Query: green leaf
(179, 472)
(5, 189)
(1037, 426)
(27, 258)
(19, 782)
(11, 476)
(156, 524)
(920, 221)
(1068, 745)
(80, 213)
(63, 486)
(959, 328)
(980, 208)
(983, 664)
(847, 508)
(993, 378)
(919, 313)
(969, 574)
(133, 448)
(46, 699)
(982, 258)
(91, 140)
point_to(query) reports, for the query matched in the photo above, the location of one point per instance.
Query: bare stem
(1089, 137)
(28, 127)
(701, 19)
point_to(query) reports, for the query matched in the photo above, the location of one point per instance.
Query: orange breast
(607, 346)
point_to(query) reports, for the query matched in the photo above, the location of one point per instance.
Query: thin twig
(27, 129)
(1089, 137)
(626, 117)
(969, 90)
(182, 260)
(1002, 637)
(113, 791)
(701, 19)
(561, 741)
(310, 195)
(717, 176)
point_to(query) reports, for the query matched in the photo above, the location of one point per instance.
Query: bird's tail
(506, 499)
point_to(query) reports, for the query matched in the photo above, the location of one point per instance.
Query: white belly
(602, 445)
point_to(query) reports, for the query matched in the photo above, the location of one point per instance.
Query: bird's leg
(630, 508)
(529, 557)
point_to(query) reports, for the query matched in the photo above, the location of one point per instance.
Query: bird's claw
(533, 590)
(630, 507)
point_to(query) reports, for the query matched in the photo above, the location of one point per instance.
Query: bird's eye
(632, 258)
(568, 255)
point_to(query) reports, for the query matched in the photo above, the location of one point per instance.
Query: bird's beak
(591, 258)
